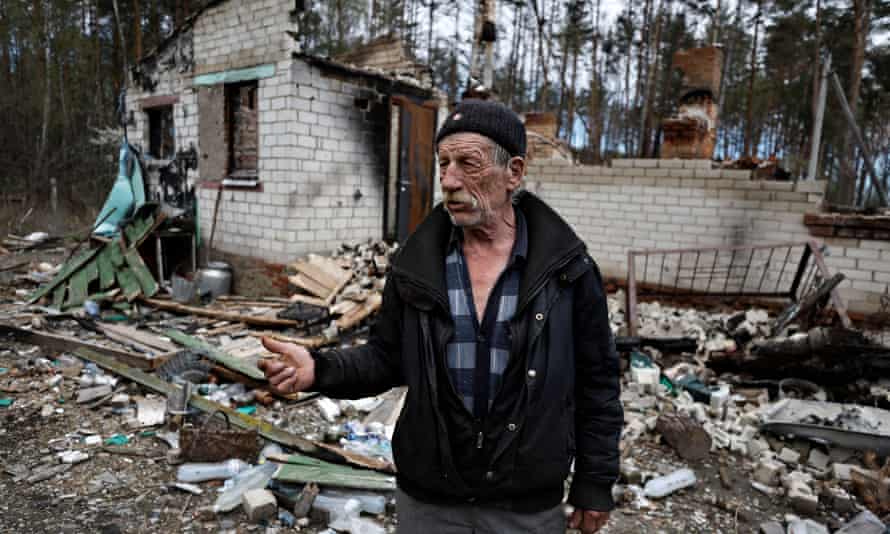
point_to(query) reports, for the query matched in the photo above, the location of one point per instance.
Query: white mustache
(473, 201)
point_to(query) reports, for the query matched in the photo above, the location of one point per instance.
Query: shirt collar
(520, 243)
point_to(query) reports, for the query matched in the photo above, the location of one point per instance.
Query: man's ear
(516, 167)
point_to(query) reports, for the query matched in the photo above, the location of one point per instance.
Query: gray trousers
(416, 517)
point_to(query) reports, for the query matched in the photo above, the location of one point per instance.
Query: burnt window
(161, 132)
(242, 137)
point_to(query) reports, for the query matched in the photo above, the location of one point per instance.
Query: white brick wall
(315, 149)
(635, 205)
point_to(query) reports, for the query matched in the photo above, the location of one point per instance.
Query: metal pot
(215, 279)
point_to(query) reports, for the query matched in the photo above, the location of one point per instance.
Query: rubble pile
(791, 444)
(155, 411)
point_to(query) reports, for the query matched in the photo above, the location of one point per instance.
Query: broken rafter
(219, 314)
(67, 344)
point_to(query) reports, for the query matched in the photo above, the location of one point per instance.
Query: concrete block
(259, 504)
(768, 471)
(803, 500)
(818, 460)
(789, 456)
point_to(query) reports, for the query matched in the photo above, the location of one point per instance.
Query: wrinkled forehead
(463, 142)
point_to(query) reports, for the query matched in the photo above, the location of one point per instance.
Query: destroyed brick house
(295, 152)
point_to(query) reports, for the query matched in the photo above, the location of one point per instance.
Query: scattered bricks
(842, 472)
(789, 456)
(803, 500)
(768, 471)
(120, 400)
(259, 504)
(818, 460)
(756, 447)
(839, 500)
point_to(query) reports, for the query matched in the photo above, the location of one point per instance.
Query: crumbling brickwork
(692, 132)
(651, 203)
(315, 148)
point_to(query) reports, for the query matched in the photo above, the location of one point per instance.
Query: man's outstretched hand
(588, 521)
(293, 372)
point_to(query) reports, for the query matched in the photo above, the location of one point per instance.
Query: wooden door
(417, 129)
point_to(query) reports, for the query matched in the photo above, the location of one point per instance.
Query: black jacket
(559, 398)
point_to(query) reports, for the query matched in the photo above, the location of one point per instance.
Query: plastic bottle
(662, 486)
(200, 472)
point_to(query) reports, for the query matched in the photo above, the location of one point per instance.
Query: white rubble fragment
(789, 456)
(259, 504)
(806, 526)
(328, 408)
(73, 457)
(818, 459)
(768, 472)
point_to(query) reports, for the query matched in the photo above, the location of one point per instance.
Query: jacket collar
(551, 242)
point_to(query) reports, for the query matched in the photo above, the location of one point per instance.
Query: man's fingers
(270, 367)
(278, 347)
(575, 519)
(287, 386)
(282, 375)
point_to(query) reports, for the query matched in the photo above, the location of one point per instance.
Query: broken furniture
(785, 271)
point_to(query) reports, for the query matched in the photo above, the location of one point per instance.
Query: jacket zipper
(479, 440)
(545, 275)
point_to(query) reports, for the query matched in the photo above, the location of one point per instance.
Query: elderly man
(495, 318)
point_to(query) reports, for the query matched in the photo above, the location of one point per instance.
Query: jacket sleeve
(598, 413)
(368, 369)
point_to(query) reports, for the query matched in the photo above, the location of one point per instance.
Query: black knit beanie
(491, 119)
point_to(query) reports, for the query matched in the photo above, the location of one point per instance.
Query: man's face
(474, 187)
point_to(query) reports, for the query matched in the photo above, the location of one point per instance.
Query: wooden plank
(219, 314)
(301, 469)
(141, 272)
(128, 283)
(148, 339)
(367, 308)
(61, 343)
(304, 282)
(315, 272)
(235, 75)
(245, 367)
(106, 269)
(70, 268)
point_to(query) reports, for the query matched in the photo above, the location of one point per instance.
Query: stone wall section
(647, 203)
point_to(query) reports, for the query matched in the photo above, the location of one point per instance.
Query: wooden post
(857, 134)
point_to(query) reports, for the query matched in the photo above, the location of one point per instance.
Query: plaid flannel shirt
(477, 354)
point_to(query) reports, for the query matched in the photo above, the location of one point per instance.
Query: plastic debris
(253, 478)
(665, 485)
(118, 440)
(201, 472)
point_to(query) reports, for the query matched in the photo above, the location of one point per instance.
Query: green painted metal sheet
(245, 367)
(237, 75)
(70, 268)
(77, 288)
(128, 283)
(59, 296)
(304, 469)
(106, 269)
(141, 272)
(115, 253)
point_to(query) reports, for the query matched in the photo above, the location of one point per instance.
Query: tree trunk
(563, 65)
(544, 92)
(137, 30)
(847, 184)
(749, 147)
(646, 133)
(570, 114)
